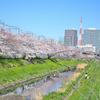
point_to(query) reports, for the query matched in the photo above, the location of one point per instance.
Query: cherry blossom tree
(31, 46)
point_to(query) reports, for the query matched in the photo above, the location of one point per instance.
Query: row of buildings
(90, 38)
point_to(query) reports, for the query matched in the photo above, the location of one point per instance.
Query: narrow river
(43, 86)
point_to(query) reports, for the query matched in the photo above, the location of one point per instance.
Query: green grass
(9, 76)
(16, 74)
(8, 63)
(90, 88)
(62, 95)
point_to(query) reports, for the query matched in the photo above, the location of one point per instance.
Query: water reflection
(43, 86)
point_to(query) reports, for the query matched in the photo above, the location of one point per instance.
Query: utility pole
(2, 23)
(9, 29)
(18, 30)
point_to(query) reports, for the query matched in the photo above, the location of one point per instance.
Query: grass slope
(62, 95)
(90, 88)
(12, 75)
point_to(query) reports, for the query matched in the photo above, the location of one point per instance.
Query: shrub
(9, 65)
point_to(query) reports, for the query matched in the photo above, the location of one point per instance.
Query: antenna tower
(80, 35)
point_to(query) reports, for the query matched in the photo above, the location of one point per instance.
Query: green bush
(1, 66)
(9, 65)
(1, 56)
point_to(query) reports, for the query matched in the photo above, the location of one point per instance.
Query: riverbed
(44, 86)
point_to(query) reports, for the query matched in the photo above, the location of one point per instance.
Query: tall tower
(80, 35)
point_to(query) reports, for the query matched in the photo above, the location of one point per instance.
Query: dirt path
(79, 66)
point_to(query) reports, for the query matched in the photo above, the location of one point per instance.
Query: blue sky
(50, 18)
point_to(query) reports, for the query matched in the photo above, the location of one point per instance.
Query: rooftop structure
(87, 48)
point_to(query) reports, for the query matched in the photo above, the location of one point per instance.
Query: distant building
(92, 36)
(70, 38)
(88, 48)
(61, 40)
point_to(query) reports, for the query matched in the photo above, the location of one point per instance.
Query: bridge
(71, 51)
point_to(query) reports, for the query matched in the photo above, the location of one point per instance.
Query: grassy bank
(24, 70)
(61, 93)
(89, 88)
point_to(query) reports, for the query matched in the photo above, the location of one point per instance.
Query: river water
(43, 86)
